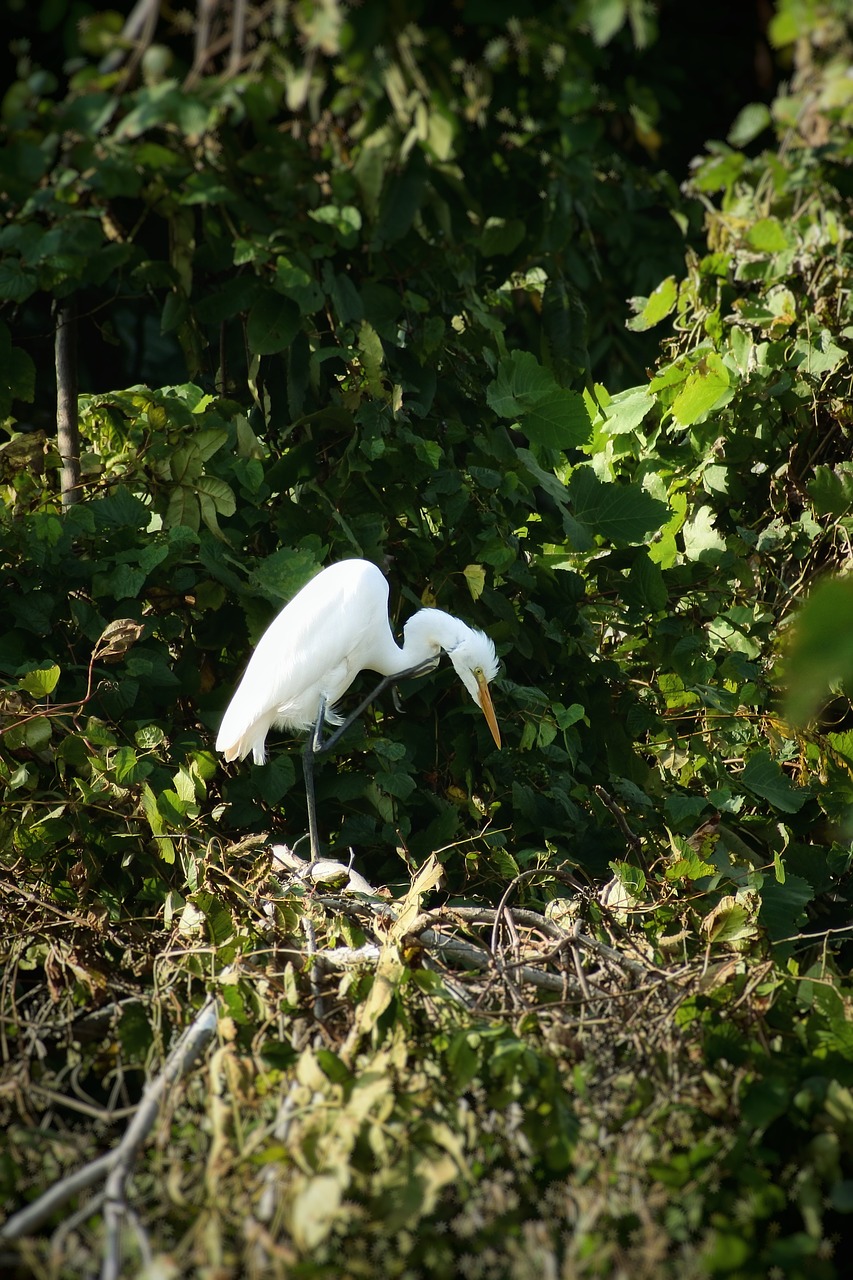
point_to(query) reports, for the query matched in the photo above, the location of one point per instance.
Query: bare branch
(67, 425)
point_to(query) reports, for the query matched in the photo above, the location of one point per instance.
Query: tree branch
(67, 425)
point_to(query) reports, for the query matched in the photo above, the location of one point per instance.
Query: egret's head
(476, 664)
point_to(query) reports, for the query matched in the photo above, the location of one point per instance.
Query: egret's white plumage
(336, 626)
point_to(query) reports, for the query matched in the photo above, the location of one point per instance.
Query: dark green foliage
(366, 296)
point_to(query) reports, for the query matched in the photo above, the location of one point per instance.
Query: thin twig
(610, 804)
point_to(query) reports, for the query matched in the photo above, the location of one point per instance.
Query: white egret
(308, 657)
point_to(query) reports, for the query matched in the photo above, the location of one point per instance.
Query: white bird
(308, 657)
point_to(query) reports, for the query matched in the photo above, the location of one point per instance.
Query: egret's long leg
(384, 683)
(315, 746)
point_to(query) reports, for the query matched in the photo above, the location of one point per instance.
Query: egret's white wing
(336, 626)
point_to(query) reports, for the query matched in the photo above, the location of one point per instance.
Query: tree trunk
(67, 426)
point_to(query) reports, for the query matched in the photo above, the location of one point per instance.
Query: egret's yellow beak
(487, 708)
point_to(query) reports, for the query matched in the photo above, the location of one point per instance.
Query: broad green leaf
(345, 219)
(646, 586)
(40, 682)
(763, 776)
(767, 236)
(627, 410)
(209, 442)
(272, 324)
(17, 282)
(206, 188)
(37, 732)
(280, 575)
(183, 508)
(475, 576)
(231, 298)
(17, 379)
(708, 386)
(784, 26)
(219, 493)
(818, 356)
(701, 540)
(689, 867)
(402, 196)
(720, 171)
(632, 879)
(208, 513)
(559, 421)
(296, 283)
(750, 121)
(621, 513)
(566, 717)
(175, 311)
(783, 906)
(729, 921)
(549, 414)
(606, 18)
(501, 236)
(372, 357)
(656, 307)
(125, 765)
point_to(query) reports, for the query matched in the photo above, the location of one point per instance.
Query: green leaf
(125, 765)
(621, 513)
(182, 509)
(690, 867)
(819, 355)
(783, 906)
(37, 732)
(559, 421)
(750, 121)
(646, 586)
(17, 376)
(627, 410)
(767, 235)
(231, 298)
(296, 283)
(763, 776)
(372, 357)
(701, 540)
(40, 682)
(17, 282)
(475, 576)
(566, 717)
(280, 575)
(272, 324)
(632, 879)
(708, 386)
(209, 442)
(501, 236)
(219, 493)
(345, 219)
(731, 920)
(659, 304)
(549, 414)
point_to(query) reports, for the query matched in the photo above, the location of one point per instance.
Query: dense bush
(363, 294)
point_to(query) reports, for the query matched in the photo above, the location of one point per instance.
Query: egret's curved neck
(428, 632)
